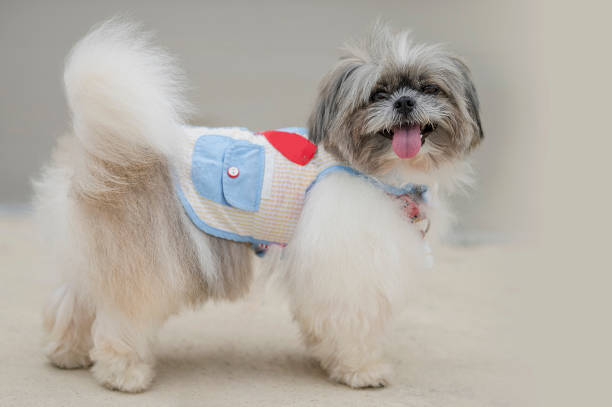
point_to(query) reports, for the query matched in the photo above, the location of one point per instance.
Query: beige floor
(450, 345)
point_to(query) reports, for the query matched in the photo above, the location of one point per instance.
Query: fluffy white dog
(131, 208)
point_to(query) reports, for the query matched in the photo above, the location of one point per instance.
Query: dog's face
(390, 102)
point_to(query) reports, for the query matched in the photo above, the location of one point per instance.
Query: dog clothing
(250, 187)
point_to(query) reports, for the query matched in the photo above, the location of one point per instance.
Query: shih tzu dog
(145, 215)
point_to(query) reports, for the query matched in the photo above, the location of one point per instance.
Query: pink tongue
(407, 142)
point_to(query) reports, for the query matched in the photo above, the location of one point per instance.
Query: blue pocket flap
(243, 173)
(213, 156)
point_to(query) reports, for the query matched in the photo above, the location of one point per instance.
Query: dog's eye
(430, 89)
(379, 96)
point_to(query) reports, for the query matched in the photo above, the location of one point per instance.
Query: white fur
(346, 269)
(125, 98)
(123, 92)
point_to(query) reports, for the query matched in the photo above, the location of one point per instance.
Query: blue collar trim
(417, 190)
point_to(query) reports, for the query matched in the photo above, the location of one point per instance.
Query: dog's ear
(471, 99)
(327, 103)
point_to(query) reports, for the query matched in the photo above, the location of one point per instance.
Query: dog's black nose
(404, 105)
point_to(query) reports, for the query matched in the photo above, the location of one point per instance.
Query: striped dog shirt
(250, 187)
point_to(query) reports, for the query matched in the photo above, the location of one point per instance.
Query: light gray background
(258, 64)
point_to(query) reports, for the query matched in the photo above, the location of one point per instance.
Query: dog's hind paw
(66, 358)
(374, 375)
(122, 372)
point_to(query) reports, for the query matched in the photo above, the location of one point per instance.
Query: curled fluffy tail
(124, 95)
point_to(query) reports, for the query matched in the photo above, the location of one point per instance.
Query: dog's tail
(125, 96)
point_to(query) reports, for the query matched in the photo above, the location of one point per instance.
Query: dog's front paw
(372, 375)
(122, 372)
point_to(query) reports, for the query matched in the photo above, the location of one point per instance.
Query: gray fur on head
(355, 105)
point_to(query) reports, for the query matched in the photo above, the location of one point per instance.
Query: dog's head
(391, 102)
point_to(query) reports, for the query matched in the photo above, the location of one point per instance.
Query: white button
(233, 172)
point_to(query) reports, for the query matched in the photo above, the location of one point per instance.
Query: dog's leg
(67, 319)
(139, 285)
(112, 331)
(345, 334)
(122, 356)
(346, 268)
(343, 313)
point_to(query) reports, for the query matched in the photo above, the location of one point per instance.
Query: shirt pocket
(228, 171)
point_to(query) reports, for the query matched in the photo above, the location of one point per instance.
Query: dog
(393, 116)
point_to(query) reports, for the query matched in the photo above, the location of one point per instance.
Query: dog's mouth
(407, 139)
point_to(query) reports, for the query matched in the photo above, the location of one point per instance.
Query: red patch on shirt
(292, 146)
